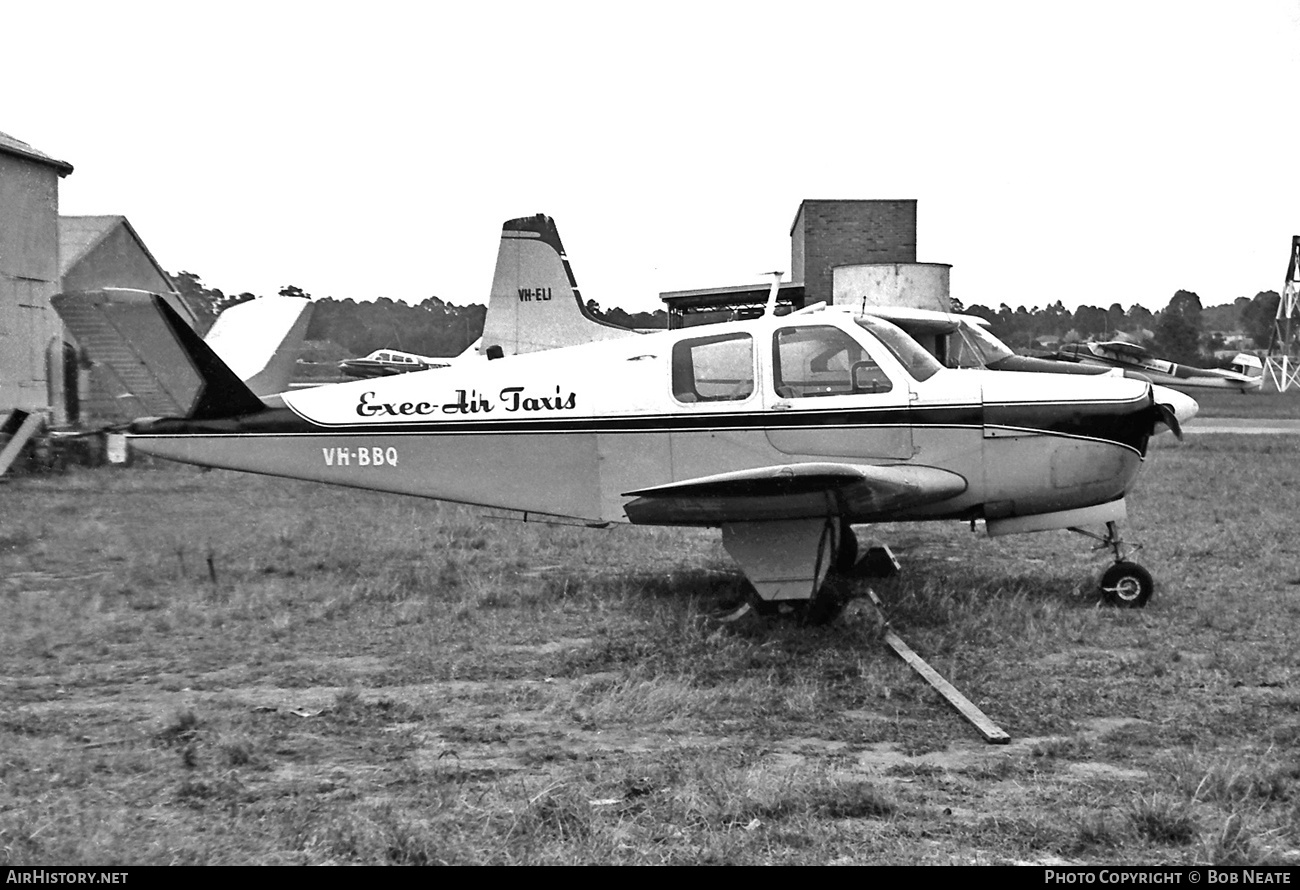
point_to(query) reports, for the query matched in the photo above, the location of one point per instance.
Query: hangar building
(42, 370)
(31, 366)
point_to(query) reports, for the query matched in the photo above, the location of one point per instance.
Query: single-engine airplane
(1246, 375)
(386, 362)
(781, 431)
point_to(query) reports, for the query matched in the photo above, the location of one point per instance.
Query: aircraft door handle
(781, 406)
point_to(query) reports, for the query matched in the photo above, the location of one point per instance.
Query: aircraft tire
(1126, 585)
(827, 604)
(822, 609)
(847, 557)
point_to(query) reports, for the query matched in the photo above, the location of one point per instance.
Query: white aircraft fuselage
(782, 431)
(602, 432)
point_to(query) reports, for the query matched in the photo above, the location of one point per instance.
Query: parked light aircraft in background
(1247, 374)
(780, 431)
(385, 362)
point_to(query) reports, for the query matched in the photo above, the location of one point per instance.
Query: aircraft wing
(794, 491)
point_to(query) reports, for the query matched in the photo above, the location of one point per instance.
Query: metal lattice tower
(1282, 365)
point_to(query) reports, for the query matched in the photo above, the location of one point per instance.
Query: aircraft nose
(1183, 405)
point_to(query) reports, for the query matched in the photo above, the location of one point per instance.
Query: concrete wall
(29, 276)
(830, 233)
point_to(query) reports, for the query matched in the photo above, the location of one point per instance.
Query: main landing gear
(803, 568)
(1125, 585)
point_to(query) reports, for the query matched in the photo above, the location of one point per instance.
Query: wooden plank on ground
(977, 718)
(30, 423)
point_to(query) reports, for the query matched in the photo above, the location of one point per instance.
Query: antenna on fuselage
(772, 294)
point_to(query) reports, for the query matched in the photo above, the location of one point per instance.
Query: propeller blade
(1166, 415)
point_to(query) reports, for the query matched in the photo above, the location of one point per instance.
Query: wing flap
(793, 491)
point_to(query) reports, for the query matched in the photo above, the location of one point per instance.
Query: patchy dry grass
(215, 668)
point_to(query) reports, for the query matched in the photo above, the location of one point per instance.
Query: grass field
(1266, 405)
(206, 667)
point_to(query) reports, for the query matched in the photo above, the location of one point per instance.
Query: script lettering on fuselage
(373, 456)
(511, 399)
(516, 400)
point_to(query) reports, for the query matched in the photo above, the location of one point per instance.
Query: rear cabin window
(714, 369)
(820, 361)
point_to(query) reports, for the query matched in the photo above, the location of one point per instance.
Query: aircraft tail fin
(151, 361)
(1247, 364)
(259, 340)
(535, 303)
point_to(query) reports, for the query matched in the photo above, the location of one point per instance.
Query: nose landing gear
(1125, 585)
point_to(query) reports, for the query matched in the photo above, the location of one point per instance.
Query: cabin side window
(823, 361)
(714, 369)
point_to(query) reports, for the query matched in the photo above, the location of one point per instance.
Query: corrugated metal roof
(10, 145)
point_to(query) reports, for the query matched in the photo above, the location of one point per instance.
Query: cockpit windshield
(917, 362)
(971, 346)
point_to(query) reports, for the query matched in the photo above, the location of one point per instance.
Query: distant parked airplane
(1130, 356)
(385, 362)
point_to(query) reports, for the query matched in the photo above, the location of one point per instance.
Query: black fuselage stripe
(1127, 424)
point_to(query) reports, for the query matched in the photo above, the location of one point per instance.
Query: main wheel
(828, 602)
(847, 557)
(822, 609)
(1127, 585)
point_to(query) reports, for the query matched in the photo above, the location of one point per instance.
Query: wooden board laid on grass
(992, 733)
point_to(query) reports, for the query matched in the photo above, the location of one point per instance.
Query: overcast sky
(1091, 152)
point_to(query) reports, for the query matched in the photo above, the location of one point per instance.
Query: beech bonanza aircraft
(780, 431)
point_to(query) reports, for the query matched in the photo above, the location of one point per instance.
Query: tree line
(1184, 331)
(356, 327)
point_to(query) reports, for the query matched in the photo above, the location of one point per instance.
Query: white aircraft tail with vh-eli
(534, 305)
(782, 432)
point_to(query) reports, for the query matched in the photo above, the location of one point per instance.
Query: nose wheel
(1125, 585)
